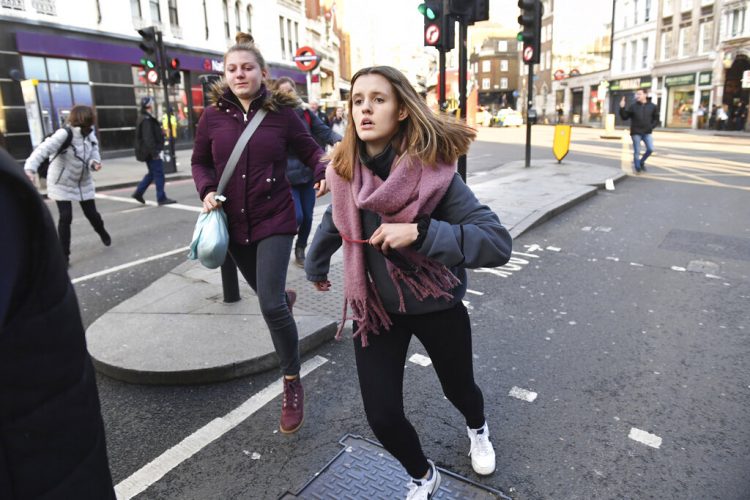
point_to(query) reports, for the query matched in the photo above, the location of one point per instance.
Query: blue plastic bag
(210, 239)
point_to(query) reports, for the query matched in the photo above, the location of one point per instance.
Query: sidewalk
(179, 331)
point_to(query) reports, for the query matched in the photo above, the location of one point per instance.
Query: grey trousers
(264, 265)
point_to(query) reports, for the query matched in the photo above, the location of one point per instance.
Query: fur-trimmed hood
(272, 100)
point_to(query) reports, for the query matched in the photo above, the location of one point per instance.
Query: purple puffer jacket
(259, 199)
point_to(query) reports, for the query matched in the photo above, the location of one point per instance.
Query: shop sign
(676, 80)
(704, 78)
(631, 83)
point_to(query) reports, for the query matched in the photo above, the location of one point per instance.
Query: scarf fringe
(368, 313)
(431, 280)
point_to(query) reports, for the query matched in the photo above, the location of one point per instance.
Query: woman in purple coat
(259, 205)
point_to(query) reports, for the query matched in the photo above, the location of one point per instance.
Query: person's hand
(622, 102)
(31, 175)
(322, 286)
(322, 188)
(96, 166)
(210, 203)
(394, 235)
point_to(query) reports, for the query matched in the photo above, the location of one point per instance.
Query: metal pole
(171, 166)
(441, 81)
(529, 101)
(462, 68)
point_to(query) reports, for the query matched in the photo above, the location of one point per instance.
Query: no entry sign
(306, 59)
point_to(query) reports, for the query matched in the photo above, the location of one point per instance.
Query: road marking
(474, 292)
(129, 264)
(678, 268)
(514, 263)
(522, 394)
(420, 359)
(164, 463)
(124, 199)
(644, 437)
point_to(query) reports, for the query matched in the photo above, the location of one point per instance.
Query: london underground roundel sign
(306, 59)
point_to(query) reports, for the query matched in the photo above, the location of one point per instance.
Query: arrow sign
(528, 53)
(432, 34)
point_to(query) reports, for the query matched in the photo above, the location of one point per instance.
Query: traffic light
(531, 34)
(470, 11)
(173, 73)
(438, 27)
(150, 58)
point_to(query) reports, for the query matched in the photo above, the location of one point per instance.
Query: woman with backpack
(73, 153)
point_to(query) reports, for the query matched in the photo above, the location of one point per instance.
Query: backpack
(44, 166)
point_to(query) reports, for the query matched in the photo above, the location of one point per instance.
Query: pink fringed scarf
(411, 189)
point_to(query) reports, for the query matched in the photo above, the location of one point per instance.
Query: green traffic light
(426, 11)
(519, 36)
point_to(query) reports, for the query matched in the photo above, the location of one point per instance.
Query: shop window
(57, 69)
(79, 71)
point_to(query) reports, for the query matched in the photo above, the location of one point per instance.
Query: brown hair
(430, 137)
(246, 42)
(81, 116)
(282, 80)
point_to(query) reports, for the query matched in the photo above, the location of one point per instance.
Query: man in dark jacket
(149, 141)
(643, 116)
(52, 442)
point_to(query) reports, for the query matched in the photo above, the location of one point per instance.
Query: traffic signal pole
(170, 166)
(462, 69)
(529, 105)
(441, 82)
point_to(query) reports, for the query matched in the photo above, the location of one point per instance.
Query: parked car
(508, 117)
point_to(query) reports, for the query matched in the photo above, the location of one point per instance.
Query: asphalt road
(627, 312)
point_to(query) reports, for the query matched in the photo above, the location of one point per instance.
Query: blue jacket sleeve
(303, 145)
(326, 242)
(322, 132)
(463, 232)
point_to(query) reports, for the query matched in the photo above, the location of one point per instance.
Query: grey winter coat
(463, 233)
(69, 176)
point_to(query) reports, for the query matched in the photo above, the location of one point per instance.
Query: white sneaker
(424, 489)
(481, 452)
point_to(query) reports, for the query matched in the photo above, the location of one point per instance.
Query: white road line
(474, 292)
(129, 264)
(164, 463)
(644, 437)
(127, 199)
(522, 394)
(420, 359)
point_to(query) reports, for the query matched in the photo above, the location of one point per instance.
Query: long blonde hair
(429, 137)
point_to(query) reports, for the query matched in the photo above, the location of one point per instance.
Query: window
(706, 35)
(635, 11)
(135, 9)
(502, 46)
(666, 45)
(683, 47)
(503, 83)
(173, 19)
(486, 66)
(289, 37)
(623, 56)
(250, 18)
(503, 65)
(647, 11)
(549, 59)
(625, 14)
(296, 36)
(237, 26)
(686, 5)
(735, 22)
(485, 83)
(667, 11)
(633, 54)
(155, 11)
(225, 7)
(644, 53)
(283, 38)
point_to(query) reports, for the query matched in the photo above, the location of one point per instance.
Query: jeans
(156, 175)
(304, 204)
(446, 336)
(65, 209)
(648, 140)
(264, 264)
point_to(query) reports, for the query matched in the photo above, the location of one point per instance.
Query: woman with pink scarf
(409, 227)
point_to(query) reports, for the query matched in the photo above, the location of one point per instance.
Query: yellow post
(561, 142)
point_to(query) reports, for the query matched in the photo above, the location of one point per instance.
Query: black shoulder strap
(66, 143)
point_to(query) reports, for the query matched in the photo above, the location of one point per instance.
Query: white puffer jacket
(69, 175)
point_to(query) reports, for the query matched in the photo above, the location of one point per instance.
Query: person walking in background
(73, 153)
(712, 117)
(299, 175)
(338, 122)
(740, 116)
(644, 117)
(410, 227)
(722, 117)
(149, 142)
(315, 108)
(51, 429)
(259, 205)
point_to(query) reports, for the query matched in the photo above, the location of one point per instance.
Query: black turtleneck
(380, 164)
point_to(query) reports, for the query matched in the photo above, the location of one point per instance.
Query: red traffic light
(174, 63)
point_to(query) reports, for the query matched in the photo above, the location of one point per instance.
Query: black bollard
(229, 281)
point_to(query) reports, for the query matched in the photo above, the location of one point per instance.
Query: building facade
(495, 69)
(731, 66)
(54, 58)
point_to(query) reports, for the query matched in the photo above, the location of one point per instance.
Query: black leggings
(65, 209)
(446, 335)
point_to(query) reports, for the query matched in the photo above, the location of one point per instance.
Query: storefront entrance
(680, 100)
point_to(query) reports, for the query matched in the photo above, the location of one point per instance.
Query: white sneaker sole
(437, 484)
(483, 470)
